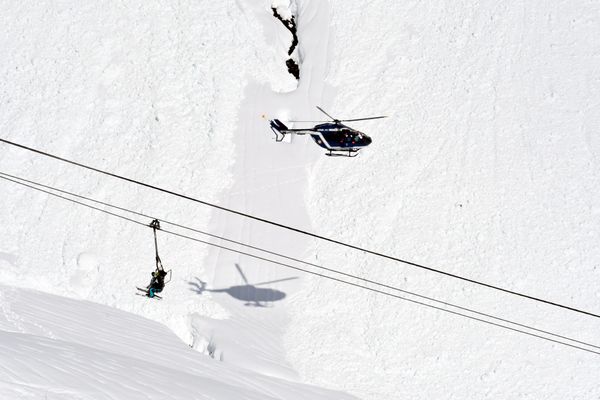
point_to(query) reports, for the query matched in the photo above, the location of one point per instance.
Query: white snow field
(487, 168)
(57, 348)
(490, 169)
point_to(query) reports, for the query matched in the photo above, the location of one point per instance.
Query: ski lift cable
(154, 217)
(3, 174)
(356, 284)
(390, 294)
(303, 232)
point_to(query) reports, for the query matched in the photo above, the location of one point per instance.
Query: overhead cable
(303, 232)
(270, 252)
(9, 177)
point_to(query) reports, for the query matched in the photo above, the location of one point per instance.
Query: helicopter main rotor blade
(275, 281)
(237, 266)
(309, 121)
(324, 112)
(362, 119)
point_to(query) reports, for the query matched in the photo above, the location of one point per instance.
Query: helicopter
(338, 139)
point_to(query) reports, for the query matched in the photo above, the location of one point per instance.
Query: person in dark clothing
(157, 284)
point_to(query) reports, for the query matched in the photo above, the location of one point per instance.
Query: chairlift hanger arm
(155, 225)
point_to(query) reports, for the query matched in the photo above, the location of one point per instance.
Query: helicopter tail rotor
(279, 129)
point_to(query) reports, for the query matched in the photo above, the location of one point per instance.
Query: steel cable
(15, 179)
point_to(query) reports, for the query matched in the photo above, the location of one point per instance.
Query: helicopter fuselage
(339, 137)
(335, 137)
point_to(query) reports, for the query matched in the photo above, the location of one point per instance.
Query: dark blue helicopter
(335, 137)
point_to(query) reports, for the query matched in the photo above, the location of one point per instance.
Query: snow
(57, 348)
(487, 168)
(286, 8)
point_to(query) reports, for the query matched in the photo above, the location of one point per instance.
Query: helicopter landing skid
(342, 153)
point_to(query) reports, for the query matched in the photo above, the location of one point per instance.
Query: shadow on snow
(250, 293)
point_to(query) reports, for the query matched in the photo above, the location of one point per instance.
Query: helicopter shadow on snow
(250, 293)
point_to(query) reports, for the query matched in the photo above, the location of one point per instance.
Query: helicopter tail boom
(280, 129)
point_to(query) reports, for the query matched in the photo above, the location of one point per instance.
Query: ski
(148, 297)
(157, 297)
(145, 293)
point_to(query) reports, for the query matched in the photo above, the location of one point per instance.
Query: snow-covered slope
(147, 90)
(56, 348)
(143, 89)
(151, 91)
(488, 168)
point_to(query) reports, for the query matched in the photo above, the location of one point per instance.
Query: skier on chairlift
(157, 283)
